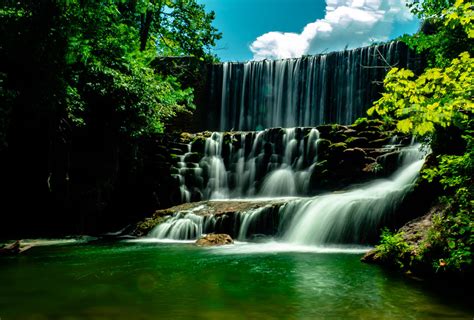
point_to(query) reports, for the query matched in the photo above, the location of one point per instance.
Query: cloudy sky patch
(346, 24)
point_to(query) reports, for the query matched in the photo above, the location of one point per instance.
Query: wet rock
(193, 157)
(364, 124)
(325, 130)
(350, 132)
(389, 161)
(210, 240)
(379, 142)
(225, 211)
(372, 135)
(337, 148)
(323, 145)
(360, 142)
(354, 155)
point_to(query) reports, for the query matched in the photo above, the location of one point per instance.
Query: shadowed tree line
(79, 100)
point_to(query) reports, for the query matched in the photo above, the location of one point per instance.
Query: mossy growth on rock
(337, 147)
(437, 244)
(145, 226)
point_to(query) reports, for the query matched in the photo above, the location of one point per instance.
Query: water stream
(330, 88)
(348, 217)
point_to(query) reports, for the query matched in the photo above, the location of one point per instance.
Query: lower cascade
(347, 217)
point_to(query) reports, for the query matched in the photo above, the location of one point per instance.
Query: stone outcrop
(213, 239)
(225, 211)
(346, 154)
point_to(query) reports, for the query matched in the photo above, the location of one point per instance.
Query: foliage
(454, 171)
(77, 90)
(103, 72)
(444, 29)
(426, 105)
(393, 249)
(429, 8)
(174, 27)
(461, 14)
(451, 238)
(438, 97)
(449, 246)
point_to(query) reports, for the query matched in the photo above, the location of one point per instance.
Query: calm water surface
(130, 280)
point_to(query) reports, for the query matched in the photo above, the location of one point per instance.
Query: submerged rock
(213, 239)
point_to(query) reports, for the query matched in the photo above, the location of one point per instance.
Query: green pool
(135, 280)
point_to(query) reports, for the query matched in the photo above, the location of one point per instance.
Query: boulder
(192, 157)
(360, 142)
(213, 239)
(354, 155)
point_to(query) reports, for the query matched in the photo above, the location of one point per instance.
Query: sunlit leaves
(462, 13)
(439, 96)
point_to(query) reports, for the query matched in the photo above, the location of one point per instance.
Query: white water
(308, 91)
(270, 163)
(347, 217)
(184, 225)
(275, 247)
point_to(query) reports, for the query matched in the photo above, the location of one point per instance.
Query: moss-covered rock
(360, 142)
(338, 147)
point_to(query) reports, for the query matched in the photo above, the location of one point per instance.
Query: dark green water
(173, 281)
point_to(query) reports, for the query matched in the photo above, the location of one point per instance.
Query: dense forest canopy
(90, 53)
(76, 77)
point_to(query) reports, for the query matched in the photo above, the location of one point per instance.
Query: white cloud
(347, 23)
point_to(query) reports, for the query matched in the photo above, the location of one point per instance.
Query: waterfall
(187, 225)
(351, 216)
(183, 168)
(273, 162)
(275, 106)
(332, 88)
(184, 225)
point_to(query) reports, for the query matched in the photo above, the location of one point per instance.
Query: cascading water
(281, 162)
(348, 217)
(332, 88)
(352, 216)
(274, 162)
(181, 175)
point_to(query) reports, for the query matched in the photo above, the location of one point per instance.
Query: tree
(441, 96)
(77, 93)
(175, 27)
(425, 105)
(443, 34)
(426, 9)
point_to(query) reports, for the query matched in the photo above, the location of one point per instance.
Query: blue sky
(258, 29)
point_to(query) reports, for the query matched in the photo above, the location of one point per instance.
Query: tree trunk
(147, 20)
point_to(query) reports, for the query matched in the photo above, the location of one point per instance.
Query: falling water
(274, 162)
(348, 217)
(352, 216)
(333, 88)
(279, 162)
